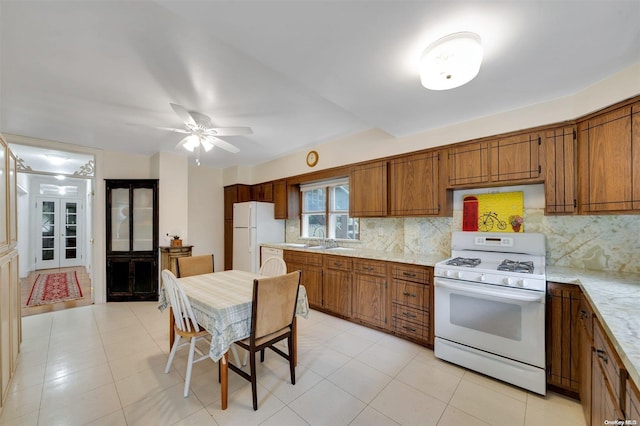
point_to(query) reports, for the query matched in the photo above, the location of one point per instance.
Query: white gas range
(490, 306)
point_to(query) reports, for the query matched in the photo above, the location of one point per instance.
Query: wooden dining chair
(272, 267)
(194, 265)
(273, 311)
(186, 326)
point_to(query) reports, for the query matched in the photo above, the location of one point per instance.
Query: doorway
(55, 210)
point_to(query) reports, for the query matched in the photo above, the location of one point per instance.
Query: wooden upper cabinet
(238, 193)
(262, 192)
(559, 147)
(286, 199)
(414, 185)
(469, 164)
(368, 190)
(609, 161)
(516, 158)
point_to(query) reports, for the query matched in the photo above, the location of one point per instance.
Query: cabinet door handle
(411, 329)
(337, 263)
(368, 268)
(409, 274)
(406, 293)
(409, 315)
(602, 355)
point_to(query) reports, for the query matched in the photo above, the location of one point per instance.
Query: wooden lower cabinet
(10, 320)
(411, 302)
(371, 303)
(336, 285)
(563, 342)
(310, 266)
(632, 403)
(607, 393)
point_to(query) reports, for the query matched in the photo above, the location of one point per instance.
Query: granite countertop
(615, 296)
(414, 259)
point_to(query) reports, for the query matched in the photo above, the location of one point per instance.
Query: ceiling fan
(202, 133)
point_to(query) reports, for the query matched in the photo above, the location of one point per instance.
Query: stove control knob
(458, 275)
(508, 281)
(522, 283)
(481, 277)
(450, 273)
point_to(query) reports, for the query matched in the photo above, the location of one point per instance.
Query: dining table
(222, 304)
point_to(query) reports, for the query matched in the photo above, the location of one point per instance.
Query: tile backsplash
(604, 242)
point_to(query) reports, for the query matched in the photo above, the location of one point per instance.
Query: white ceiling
(102, 73)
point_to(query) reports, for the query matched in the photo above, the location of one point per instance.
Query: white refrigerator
(253, 224)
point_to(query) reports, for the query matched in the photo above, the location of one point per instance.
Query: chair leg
(187, 379)
(172, 355)
(292, 366)
(254, 387)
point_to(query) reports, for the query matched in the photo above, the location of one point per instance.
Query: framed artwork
(501, 212)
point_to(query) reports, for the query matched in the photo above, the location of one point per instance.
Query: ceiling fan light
(207, 145)
(451, 61)
(191, 143)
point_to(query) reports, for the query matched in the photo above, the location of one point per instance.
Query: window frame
(330, 213)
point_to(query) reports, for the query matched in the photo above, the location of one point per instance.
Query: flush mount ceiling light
(451, 61)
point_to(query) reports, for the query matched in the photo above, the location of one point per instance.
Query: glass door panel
(71, 234)
(120, 218)
(48, 242)
(142, 219)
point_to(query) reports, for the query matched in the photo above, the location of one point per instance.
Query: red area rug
(53, 288)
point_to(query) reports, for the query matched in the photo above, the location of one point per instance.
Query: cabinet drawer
(302, 257)
(409, 329)
(369, 267)
(416, 274)
(406, 313)
(341, 263)
(609, 362)
(410, 294)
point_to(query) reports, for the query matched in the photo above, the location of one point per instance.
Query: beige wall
(206, 213)
(376, 143)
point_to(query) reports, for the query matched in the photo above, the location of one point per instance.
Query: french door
(59, 237)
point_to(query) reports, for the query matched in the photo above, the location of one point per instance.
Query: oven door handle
(536, 296)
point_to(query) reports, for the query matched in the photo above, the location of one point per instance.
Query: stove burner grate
(515, 266)
(464, 261)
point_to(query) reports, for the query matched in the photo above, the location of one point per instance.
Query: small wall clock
(312, 158)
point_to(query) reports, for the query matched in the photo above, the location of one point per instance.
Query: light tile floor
(103, 365)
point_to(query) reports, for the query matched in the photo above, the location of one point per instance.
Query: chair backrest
(195, 265)
(183, 314)
(274, 303)
(273, 267)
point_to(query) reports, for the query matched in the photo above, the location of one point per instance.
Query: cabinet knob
(584, 314)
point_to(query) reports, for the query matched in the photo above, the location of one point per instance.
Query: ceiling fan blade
(201, 120)
(182, 113)
(223, 145)
(229, 131)
(172, 129)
